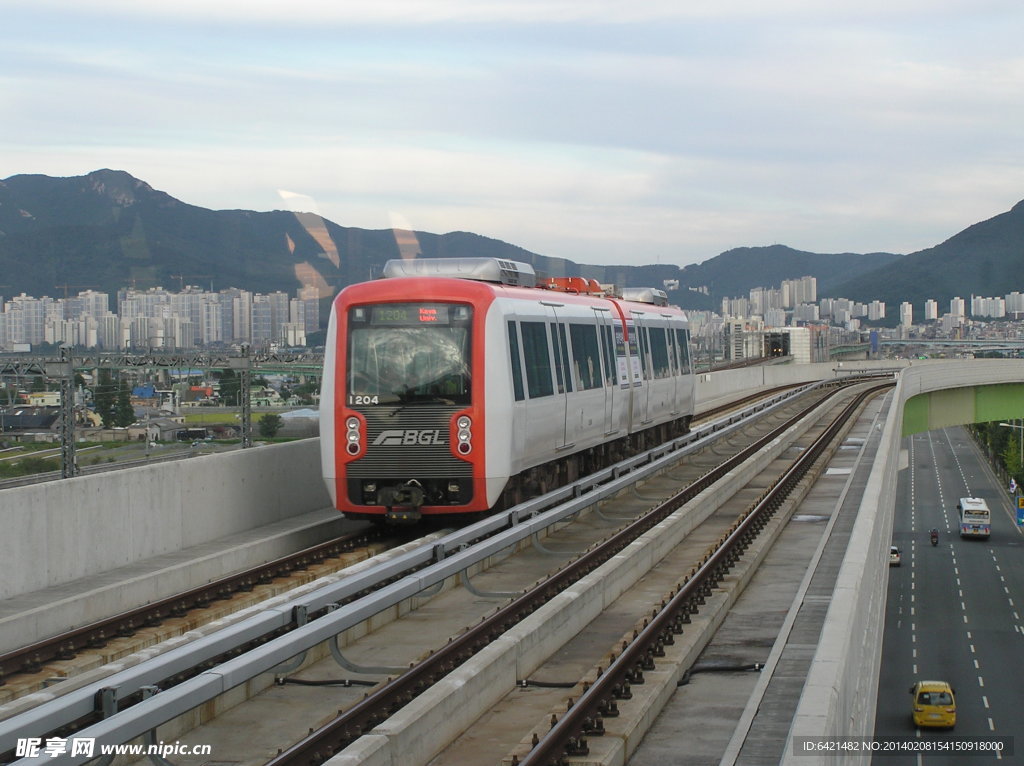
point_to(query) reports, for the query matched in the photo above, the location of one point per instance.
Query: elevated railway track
(320, 616)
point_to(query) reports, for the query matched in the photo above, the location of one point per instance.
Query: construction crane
(182, 277)
(74, 287)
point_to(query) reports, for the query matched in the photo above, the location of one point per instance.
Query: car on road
(934, 704)
(895, 557)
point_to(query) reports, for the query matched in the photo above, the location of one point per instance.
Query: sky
(603, 131)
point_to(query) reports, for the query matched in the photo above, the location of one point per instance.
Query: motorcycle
(935, 537)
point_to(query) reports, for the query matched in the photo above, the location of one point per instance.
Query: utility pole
(243, 366)
(68, 459)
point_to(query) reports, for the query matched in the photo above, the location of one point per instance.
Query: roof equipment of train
(518, 274)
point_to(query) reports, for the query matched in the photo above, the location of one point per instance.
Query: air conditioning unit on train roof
(481, 269)
(645, 295)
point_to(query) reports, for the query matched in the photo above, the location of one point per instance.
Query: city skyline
(157, 318)
(160, 318)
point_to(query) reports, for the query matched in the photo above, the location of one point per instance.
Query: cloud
(597, 131)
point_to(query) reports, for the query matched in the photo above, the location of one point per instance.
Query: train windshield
(409, 353)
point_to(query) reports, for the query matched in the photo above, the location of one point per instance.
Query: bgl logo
(396, 438)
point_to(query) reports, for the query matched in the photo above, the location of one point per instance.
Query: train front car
(457, 386)
(402, 420)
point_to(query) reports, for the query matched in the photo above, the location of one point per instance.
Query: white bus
(975, 519)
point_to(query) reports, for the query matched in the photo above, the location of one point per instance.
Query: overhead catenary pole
(68, 459)
(243, 365)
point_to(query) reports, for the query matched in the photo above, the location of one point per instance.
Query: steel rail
(64, 646)
(352, 723)
(361, 595)
(567, 736)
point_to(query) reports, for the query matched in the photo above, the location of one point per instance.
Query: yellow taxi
(934, 704)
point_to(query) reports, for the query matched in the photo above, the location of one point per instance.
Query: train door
(627, 369)
(673, 365)
(519, 383)
(606, 338)
(642, 395)
(563, 374)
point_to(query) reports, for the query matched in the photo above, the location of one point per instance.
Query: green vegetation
(112, 401)
(1002, 445)
(27, 466)
(270, 424)
(202, 416)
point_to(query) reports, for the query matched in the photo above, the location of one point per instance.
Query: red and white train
(460, 385)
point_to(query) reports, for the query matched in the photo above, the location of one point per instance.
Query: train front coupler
(402, 503)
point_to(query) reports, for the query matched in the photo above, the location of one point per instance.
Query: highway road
(953, 611)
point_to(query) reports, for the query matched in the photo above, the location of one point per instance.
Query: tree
(105, 397)
(270, 424)
(124, 415)
(230, 387)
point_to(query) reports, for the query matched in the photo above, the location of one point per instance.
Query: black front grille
(408, 443)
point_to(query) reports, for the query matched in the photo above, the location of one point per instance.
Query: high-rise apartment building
(906, 314)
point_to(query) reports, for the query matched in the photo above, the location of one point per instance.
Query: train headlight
(353, 435)
(464, 435)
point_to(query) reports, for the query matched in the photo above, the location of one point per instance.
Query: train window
(645, 350)
(412, 353)
(609, 355)
(683, 340)
(537, 358)
(561, 358)
(673, 353)
(586, 355)
(659, 352)
(517, 370)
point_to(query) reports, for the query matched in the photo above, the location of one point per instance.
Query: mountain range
(107, 230)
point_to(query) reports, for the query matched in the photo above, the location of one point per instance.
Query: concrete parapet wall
(61, 531)
(715, 388)
(839, 695)
(65, 530)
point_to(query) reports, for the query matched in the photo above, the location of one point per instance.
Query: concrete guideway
(430, 720)
(229, 675)
(832, 687)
